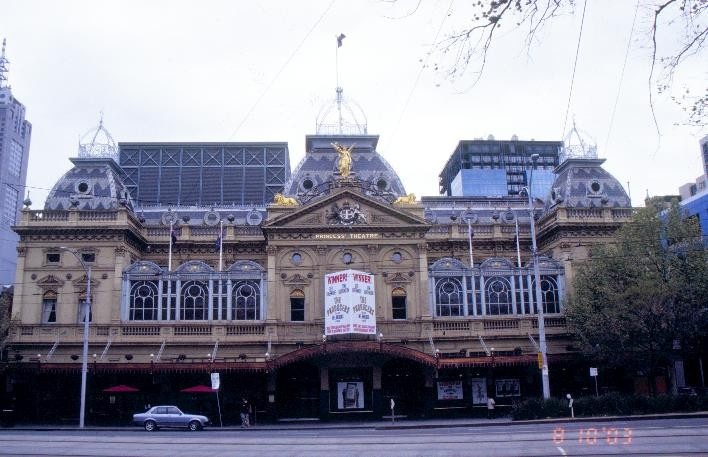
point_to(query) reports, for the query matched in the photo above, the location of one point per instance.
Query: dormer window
(82, 187)
(88, 257)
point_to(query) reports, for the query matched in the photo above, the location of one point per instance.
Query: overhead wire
(621, 79)
(575, 65)
(280, 71)
(420, 72)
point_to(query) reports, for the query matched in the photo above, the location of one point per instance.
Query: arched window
(398, 303)
(49, 307)
(143, 301)
(194, 301)
(297, 305)
(448, 297)
(498, 296)
(549, 294)
(247, 299)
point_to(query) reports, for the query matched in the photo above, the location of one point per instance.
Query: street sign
(539, 359)
(593, 371)
(215, 381)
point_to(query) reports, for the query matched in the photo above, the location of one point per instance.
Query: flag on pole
(339, 39)
(219, 240)
(173, 234)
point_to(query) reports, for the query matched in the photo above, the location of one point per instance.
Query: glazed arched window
(448, 297)
(143, 301)
(398, 303)
(194, 301)
(549, 294)
(498, 296)
(247, 299)
(297, 305)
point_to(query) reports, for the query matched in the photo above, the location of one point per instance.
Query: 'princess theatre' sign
(350, 306)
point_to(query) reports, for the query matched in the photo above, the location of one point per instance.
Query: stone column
(324, 393)
(379, 405)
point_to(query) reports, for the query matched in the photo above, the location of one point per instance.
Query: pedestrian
(245, 410)
(490, 407)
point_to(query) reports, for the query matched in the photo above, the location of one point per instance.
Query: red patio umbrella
(199, 389)
(121, 388)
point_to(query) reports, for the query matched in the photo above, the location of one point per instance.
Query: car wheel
(195, 425)
(150, 426)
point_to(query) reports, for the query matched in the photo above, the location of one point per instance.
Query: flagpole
(339, 90)
(221, 244)
(518, 250)
(169, 255)
(518, 260)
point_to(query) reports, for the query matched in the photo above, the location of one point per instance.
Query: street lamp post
(86, 314)
(537, 279)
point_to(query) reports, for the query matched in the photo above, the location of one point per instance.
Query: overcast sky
(262, 70)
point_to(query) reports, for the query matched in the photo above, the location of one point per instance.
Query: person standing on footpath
(245, 411)
(490, 407)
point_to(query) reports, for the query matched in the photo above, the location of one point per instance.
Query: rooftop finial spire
(3, 65)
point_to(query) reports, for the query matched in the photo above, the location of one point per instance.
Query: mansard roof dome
(583, 183)
(92, 184)
(319, 166)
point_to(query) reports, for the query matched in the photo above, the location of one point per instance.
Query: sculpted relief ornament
(347, 214)
(344, 165)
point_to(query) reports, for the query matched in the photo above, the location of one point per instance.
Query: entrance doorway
(298, 387)
(404, 381)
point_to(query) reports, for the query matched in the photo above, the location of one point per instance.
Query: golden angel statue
(280, 199)
(345, 159)
(405, 200)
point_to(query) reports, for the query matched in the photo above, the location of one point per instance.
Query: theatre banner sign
(350, 304)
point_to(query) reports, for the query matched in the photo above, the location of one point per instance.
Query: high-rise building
(15, 134)
(704, 153)
(495, 168)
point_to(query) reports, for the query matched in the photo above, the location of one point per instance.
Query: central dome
(318, 169)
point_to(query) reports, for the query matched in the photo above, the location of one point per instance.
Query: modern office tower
(495, 168)
(15, 133)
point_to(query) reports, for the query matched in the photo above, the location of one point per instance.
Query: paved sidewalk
(402, 423)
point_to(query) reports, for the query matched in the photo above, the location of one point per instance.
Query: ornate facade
(181, 292)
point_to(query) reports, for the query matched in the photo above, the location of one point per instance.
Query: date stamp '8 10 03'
(594, 436)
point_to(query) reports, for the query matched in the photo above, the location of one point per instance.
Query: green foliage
(538, 408)
(612, 404)
(5, 320)
(637, 296)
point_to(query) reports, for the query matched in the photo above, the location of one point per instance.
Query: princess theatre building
(203, 258)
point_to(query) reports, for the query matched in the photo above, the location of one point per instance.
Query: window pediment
(448, 264)
(50, 282)
(143, 267)
(194, 266)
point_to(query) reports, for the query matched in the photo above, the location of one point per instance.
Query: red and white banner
(350, 303)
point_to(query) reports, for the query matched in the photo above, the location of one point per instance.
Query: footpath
(383, 424)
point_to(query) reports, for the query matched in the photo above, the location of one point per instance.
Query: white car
(169, 416)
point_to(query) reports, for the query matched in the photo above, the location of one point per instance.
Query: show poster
(479, 391)
(350, 395)
(350, 304)
(450, 390)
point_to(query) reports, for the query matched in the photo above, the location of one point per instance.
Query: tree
(471, 45)
(5, 318)
(636, 298)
